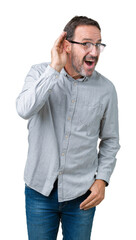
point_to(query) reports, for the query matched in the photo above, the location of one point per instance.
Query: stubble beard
(79, 68)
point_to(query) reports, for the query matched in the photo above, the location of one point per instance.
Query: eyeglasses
(99, 46)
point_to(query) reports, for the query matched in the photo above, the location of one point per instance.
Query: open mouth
(90, 63)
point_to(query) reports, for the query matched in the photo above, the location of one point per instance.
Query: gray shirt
(66, 119)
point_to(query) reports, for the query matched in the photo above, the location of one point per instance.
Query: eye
(87, 44)
(98, 44)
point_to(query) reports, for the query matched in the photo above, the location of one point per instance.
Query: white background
(28, 30)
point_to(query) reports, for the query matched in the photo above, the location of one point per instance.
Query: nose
(94, 51)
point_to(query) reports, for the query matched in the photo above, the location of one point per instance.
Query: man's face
(83, 60)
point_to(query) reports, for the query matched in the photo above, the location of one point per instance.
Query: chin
(87, 74)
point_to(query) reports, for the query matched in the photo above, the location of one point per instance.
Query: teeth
(89, 60)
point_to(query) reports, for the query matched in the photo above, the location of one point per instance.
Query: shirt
(67, 118)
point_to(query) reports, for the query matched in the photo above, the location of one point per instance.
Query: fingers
(91, 201)
(88, 201)
(60, 39)
(95, 197)
(58, 53)
(92, 204)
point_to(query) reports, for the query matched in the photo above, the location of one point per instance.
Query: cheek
(78, 53)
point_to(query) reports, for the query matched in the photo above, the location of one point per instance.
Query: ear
(67, 46)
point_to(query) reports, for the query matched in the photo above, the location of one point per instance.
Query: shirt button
(60, 173)
(69, 118)
(75, 84)
(66, 136)
(73, 101)
(63, 154)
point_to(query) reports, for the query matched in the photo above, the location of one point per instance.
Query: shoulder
(105, 82)
(40, 67)
(36, 71)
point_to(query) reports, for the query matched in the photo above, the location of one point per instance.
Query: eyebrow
(89, 39)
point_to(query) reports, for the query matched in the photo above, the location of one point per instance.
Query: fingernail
(82, 209)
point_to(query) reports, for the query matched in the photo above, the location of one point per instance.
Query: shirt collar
(63, 71)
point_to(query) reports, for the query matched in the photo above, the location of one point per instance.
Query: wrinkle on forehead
(87, 32)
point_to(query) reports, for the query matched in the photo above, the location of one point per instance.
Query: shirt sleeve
(36, 90)
(109, 135)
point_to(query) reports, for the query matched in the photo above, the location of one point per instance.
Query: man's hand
(96, 196)
(58, 53)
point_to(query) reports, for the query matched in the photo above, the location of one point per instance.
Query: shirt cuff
(102, 177)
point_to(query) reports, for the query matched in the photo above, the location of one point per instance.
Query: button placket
(66, 137)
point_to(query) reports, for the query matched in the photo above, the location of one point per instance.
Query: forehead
(87, 32)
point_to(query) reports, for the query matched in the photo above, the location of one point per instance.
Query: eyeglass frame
(91, 44)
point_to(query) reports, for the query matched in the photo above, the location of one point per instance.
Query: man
(69, 106)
